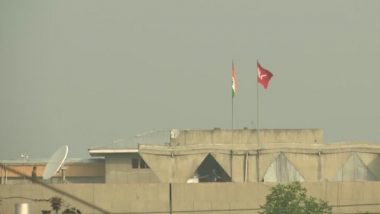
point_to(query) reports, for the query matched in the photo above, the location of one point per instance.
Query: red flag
(263, 75)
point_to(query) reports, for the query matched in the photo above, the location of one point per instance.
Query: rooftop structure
(77, 170)
(236, 155)
(233, 170)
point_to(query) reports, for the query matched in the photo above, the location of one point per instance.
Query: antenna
(55, 162)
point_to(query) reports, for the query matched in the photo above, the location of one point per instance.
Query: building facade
(75, 170)
(233, 171)
(245, 155)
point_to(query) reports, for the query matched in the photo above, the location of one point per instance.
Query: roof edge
(98, 152)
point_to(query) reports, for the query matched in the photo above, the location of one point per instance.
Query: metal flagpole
(233, 95)
(232, 119)
(258, 113)
(257, 129)
(232, 114)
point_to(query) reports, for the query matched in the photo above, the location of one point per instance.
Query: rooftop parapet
(245, 136)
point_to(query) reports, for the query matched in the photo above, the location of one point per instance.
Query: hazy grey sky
(86, 73)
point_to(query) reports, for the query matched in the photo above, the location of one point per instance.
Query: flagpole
(263, 77)
(232, 135)
(232, 114)
(257, 129)
(232, 99)
(232, 122)
(258, 113)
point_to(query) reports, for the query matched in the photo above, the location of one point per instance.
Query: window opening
(135, 163)
(211, 171)
(138, 163)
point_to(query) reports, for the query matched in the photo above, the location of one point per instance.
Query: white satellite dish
(55, 162)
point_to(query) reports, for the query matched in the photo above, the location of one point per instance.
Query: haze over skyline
(87, 73)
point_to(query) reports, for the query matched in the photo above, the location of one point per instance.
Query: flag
(234, 82)
(263, 75)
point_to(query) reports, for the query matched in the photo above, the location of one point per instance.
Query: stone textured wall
(119, 170)
(75, 172)
(245, 136)
(237, 198)
(269, 162)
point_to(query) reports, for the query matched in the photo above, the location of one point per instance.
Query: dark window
(135, 163)
(138, 163)
(211, 171)
(143, 165)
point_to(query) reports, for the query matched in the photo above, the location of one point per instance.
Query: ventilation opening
(355, 170)
(282, 170)
(211, 171)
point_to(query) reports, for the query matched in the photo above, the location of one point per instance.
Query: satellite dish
(55, 162)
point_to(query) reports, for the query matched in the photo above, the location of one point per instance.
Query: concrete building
(242, 156)
(219, 155)
(124, 165)
(233, 171)
(76, 170)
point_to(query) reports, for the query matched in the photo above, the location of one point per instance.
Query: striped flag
(234, 82)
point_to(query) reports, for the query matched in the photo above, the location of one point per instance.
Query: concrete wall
(249, 163)
(245, 136)
(282, 155)
(119, 170)
(76, 172)
(237, 198)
